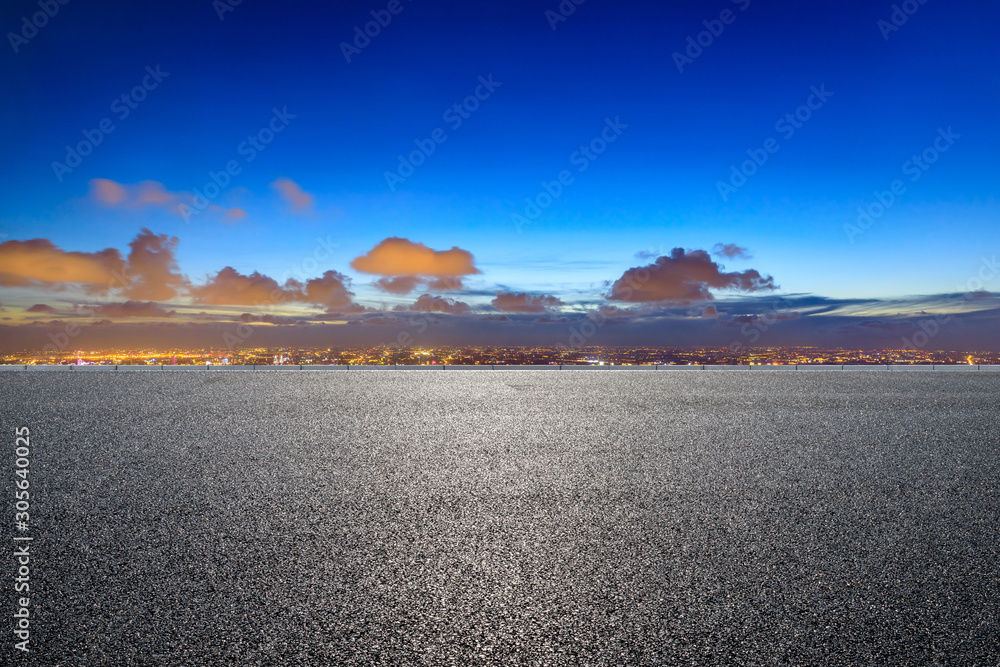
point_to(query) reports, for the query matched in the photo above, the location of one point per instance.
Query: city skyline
(592, 355)
(735, 175)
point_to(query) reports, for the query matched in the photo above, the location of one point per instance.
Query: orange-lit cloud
(331, 291)
(40, 263)
(154, 194)
(404, 264)
(230, 287)
(41, 308)
(521, 302)
(148, 273)
(151, 273)
(683, 277)
(398, 285)
(298, 200)
(107, 191)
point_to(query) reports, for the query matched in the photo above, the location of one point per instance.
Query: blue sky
(889, 91)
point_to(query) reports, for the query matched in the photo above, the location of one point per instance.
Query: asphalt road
(524, 517)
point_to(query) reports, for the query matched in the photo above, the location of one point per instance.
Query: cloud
(297, 199)
(404, 264)
(682, 278)
(149, 272)
(765, 319)
(615, 311)
(445, 284)
(41, 308)
(40, 263)
(107, 191)
(331, 291)
(230, 287)
(133, 309)
(730, 251)
(427, 303)
(398, 285)
(522, 302)
(266, 319)
(146, 194)
(380, 320)
(710, 311)
(152, 269)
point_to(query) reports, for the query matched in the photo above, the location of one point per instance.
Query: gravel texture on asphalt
(519, 517)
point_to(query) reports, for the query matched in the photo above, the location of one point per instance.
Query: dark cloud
(522, 302)
(766, 319)
(614, 311)
(427, 303)
(380, 320)
(730, 251)
(133, 309)
(683, 278)
(966, 331)
(41, 308)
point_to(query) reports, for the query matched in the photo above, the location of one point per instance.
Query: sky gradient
(733, 172)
